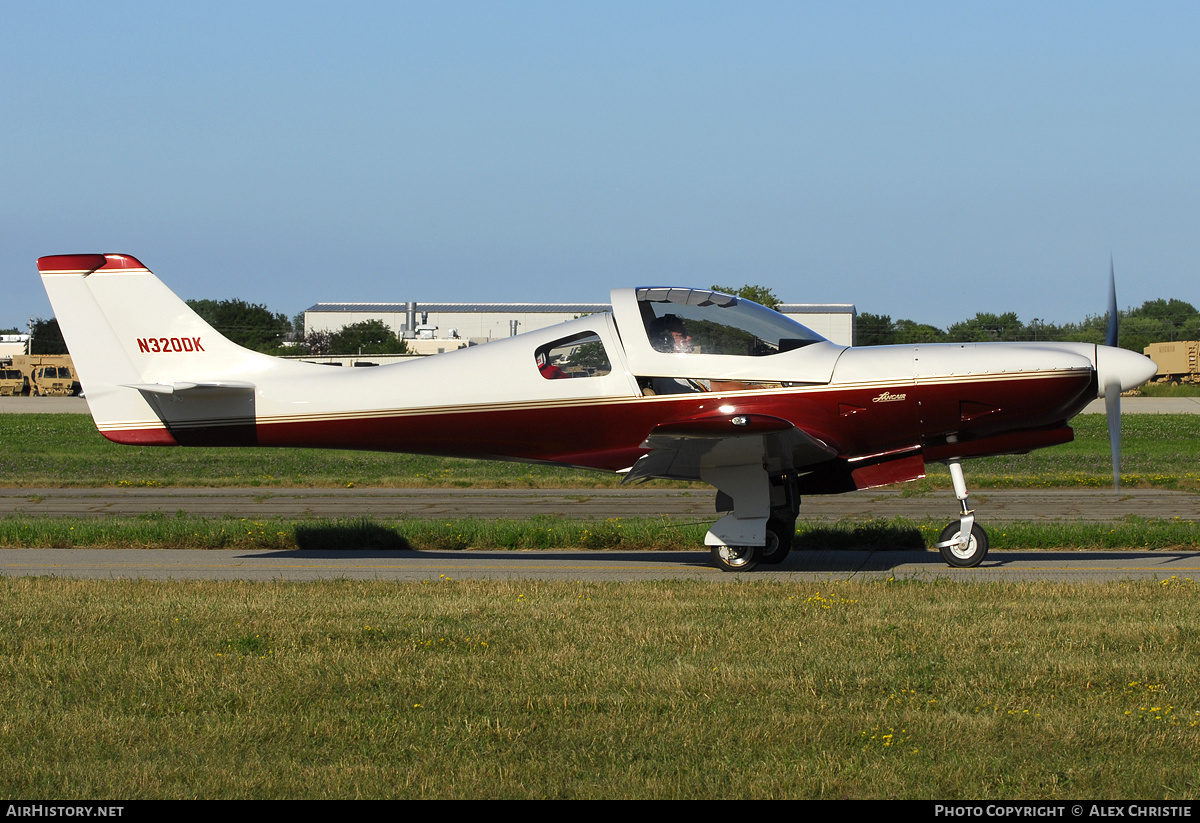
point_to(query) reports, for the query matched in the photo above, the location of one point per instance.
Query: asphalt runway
(992, 505)
(150, 564)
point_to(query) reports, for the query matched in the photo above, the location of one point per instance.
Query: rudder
(134, 342)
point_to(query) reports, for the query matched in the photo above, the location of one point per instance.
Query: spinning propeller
(1112, 390)
(1117, 370)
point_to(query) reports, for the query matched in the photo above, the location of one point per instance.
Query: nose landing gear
(963, 543)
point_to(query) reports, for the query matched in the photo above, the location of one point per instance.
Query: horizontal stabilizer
(180, 388)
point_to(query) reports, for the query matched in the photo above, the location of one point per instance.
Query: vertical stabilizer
(134, 344)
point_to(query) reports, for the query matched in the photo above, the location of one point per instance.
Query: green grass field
(56, 450)
(468, 689)
(66, 450)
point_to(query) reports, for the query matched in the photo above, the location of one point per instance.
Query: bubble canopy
(717, 323)
(705, 334)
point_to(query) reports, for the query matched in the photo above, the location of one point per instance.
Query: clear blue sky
(924, 160)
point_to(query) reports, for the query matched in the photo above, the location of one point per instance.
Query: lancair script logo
(888, 397)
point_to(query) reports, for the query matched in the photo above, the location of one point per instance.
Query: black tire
(779, 540)
(977, 546)
(736, 558)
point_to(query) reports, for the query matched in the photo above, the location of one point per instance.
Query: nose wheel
(963, 553)
(963, 543)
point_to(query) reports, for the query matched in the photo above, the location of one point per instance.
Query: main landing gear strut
(760, 518)
(963, 543)
(744, 558)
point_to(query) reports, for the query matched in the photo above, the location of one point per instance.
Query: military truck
(1178, 362)
(50, 380)
(47, 375)
(12, 380)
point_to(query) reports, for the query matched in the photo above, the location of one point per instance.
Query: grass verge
(1167, 390)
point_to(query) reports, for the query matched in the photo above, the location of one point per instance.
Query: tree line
(1155, 321)
(254, 326)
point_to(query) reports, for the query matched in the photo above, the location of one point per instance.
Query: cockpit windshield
(709, 322)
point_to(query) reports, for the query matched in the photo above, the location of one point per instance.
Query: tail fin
(135, 344)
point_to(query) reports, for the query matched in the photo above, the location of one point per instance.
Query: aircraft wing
(684, 449)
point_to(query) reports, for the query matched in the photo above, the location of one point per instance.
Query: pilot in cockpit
(669, 334)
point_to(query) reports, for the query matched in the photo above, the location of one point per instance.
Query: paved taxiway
(995, 508)
(584, 565)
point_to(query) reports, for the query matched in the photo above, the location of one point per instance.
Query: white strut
(967, 518)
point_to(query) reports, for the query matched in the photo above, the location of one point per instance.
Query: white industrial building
(833, 321)
(480, 322)
(11, 344)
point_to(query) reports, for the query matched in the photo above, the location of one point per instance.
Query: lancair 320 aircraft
(674, 382)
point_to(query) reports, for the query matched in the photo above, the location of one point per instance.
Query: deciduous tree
(759, 294)
(367, 337)
(247, 324)
(47, 339)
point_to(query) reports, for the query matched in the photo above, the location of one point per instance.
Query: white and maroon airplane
(674, 382)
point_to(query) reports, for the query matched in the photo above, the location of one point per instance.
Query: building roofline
(450, 307)
(559, 308)
(816, 308)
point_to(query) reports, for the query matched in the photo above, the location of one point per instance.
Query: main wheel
(972, 555)
(779, 540)
(736, 558)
